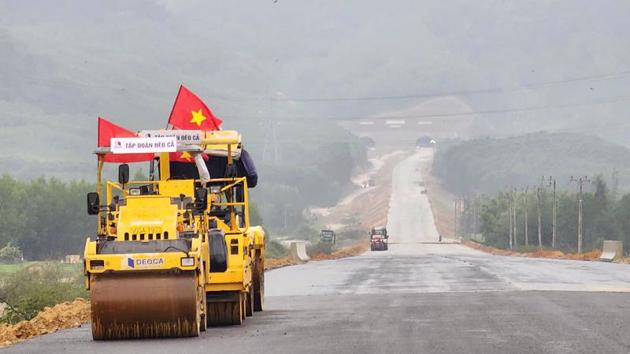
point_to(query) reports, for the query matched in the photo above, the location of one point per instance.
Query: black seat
(218, 251)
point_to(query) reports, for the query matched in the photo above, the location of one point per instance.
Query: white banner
(143, 145)
(184, 137)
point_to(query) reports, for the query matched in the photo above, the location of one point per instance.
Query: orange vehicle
(378, 239)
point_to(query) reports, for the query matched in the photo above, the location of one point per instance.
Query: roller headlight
(188, 261)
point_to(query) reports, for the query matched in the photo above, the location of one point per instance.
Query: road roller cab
(173, 255)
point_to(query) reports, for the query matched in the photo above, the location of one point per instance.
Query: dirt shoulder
(51, 319)
(589, 256)
(352, 251)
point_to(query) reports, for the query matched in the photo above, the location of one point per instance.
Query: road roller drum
(144, 305)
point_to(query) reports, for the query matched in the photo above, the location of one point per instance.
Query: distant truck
(328, 236)
(378, 239)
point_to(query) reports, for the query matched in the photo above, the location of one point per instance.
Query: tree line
(513, 214)
(488, 165)
(45, 218)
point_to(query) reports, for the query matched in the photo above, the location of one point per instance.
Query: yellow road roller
(175, 253)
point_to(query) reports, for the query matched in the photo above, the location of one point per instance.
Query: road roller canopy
(213, 143)
(190, 146)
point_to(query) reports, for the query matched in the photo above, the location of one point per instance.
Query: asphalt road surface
(418, 297)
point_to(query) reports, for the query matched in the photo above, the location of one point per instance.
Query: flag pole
(173, 108)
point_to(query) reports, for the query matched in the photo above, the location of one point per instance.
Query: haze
(64, 63)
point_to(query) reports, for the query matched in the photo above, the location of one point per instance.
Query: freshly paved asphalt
(418, 297)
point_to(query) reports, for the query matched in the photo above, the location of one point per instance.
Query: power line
(462, 92)
(461, 114)
(537, 85)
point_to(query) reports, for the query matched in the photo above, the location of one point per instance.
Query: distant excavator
(175, 253)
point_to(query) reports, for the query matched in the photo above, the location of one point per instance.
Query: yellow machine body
(165, 264)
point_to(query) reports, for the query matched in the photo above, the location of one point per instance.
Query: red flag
(108, 130)
(189, 112)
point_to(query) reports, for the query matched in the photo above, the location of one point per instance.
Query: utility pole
(580, 181)
(526, 217)
(455, 219)
(538, 209)
(475, 211)
(554, 217)
(510, 202)
(514, 224)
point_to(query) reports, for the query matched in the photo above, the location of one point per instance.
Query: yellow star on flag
(197, 117)
(186, 156)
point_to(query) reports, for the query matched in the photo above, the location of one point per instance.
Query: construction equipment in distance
(378, 239)
(328, 236)
(176, 253)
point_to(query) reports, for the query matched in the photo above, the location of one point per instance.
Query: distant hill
(491, 164)
(299, 64)
(64, 63)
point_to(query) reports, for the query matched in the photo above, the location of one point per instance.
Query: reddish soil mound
(588, 256)
(51, 319)
(273, 263)
(352, 251)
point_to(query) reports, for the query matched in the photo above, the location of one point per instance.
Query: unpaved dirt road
(419, 297)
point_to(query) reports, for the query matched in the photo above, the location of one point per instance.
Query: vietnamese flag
(190, 113)
(108, 130)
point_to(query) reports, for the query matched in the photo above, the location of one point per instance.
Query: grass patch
(14, 267)
(8, 269)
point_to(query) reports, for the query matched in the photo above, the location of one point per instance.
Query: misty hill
(491, 164)
(64, 63)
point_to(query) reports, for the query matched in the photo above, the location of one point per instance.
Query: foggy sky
(63, 63)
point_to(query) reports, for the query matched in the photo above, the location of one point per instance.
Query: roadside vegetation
(275, 249)
(27, 290)
(44, 218)
(495, 178)
(490, 165)
(487, 219)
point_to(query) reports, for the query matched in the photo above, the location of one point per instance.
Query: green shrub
(27, 291)
(10, 254)
(274, 249)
